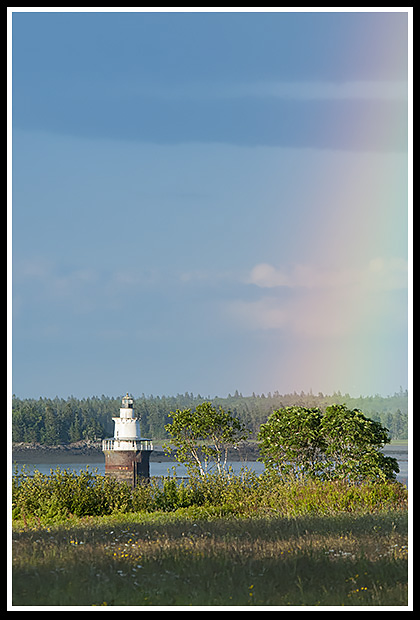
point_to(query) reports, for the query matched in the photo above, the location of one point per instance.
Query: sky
(208, 201)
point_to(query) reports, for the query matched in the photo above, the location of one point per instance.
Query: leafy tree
(340, 444)
(203, 435)
(292, 441)
(353, 445)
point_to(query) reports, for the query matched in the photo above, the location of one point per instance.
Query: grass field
(197, 557)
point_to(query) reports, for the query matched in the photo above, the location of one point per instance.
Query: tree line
(60, 421)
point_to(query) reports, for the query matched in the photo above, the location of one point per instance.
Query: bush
(172, 495)
(63, 494)
(331, 497)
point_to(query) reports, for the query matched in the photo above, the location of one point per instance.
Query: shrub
(65, 493)
(62, 494)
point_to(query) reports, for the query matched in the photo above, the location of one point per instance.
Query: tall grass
(62, 494)
(171, 558)
(82, 540)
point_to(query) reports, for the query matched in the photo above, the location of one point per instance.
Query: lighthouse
(127, 455)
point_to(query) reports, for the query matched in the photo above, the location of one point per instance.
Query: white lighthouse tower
(127, 426)
(127, 454)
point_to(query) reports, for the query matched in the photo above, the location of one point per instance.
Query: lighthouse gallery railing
(127, 444)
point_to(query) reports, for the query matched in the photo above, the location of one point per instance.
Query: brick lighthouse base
(131, 466)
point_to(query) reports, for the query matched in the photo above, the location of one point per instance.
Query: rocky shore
(91, 451)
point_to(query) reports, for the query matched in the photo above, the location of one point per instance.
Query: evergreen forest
(61, 421)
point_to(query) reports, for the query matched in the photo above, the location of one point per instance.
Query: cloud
(82, 290)
(267, 276)
(328, 90)
(305, 316)
(387, 273)
(305, 276)
(266, 313)
(355, 123)
(134, 278)
(309, 91)
(380, 273)
(308, 302)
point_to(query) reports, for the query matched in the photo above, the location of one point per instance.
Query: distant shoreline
(91, 452)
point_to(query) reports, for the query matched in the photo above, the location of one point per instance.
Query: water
(156, 469)
(400, 452)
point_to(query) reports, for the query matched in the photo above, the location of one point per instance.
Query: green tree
(292, 442)
(51, 433)
(399, 425)
(75, 432)
(93, 430)
(27, 423)
(354, 445)
(341, 443)
(204, 435)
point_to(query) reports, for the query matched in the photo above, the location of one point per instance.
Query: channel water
(165, 468)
